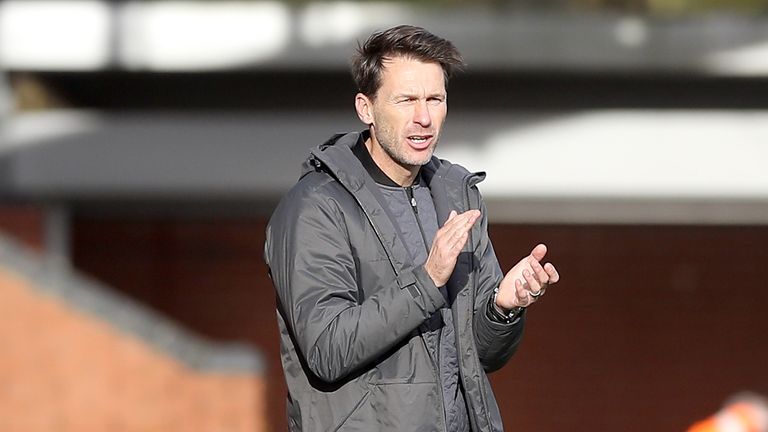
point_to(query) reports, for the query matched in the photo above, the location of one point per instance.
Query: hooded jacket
(350, 302)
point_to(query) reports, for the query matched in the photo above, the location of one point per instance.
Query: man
(391, 303)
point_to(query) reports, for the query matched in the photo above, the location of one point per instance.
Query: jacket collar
(443, 178)
(349, 166)
(447, 182)
(369, 164)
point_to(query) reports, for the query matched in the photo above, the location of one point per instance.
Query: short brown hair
(406, 41)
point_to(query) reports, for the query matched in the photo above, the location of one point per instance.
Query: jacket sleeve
(496, 342)
(314, 273)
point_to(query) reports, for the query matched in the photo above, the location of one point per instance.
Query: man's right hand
(448, 243)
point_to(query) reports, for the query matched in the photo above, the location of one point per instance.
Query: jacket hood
(336, 157)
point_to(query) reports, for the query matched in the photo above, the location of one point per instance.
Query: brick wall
(62, 370)
(651, 328)
(25, 223)
(208, 274)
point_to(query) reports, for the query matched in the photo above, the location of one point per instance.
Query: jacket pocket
(354, 420)
(396, 407)
(406, 407)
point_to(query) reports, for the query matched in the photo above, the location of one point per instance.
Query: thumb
(539, 251)
(452, 214)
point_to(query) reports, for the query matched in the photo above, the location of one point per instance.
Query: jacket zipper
(415, 208)
(438, 366)
(467, 206)
(394, 267)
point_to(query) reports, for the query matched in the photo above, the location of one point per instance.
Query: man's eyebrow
(415, 95)
(397, 97)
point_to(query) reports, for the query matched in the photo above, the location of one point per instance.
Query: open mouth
(420, 141)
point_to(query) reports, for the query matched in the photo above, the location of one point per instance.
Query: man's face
(408, 111)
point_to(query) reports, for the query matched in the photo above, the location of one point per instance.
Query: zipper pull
(409, 191)
(316, 163)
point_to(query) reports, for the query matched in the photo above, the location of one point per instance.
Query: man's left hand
(527, 281)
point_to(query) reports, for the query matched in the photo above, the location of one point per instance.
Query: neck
(402, 175)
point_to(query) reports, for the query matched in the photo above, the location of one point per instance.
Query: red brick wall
(64, 371)
(207, 275)
(24, 223)
(650, 329)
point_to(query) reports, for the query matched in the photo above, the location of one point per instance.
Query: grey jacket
(350, 302)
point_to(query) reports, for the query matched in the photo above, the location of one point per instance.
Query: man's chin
(417, 163)
(423, 157)
(415, 159)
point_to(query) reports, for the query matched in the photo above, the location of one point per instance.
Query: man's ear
(364, 108)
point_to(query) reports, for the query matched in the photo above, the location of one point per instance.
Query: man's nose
(421, 114)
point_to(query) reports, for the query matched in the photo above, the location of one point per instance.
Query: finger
(538, 271)
(451, 217)
(461, 223)
(468, 217)
(521, 294)
(451, 238)
(447, 232)
(554, 276)
(539, 251)
(459, 239)
(475, 213)
(533, 285)
(472, 217)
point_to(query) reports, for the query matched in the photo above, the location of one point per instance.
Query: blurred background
(143, 146)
